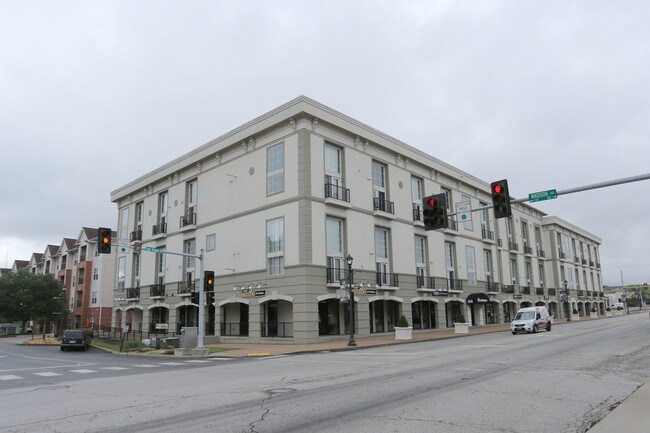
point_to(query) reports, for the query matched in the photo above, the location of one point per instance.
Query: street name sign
(464, 211)
(154, 250)
(542, 195)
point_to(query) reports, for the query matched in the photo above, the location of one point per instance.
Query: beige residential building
(278, 204)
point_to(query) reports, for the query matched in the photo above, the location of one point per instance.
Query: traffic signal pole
(576, 189)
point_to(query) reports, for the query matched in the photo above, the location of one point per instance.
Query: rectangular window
(333, 160)
(334, 227)
(136, 266)
(514, 275)
(275, 169)
(95, 274)
(275, 246)
(139, 215)
(124, 223)
(93, 297)
(417, 193)
(192, 192)
(190, 248)
(487, 264)
(541, 274)
(382, 259)
(470, 256)
(161, 262)
(447, 193)
(450, 264)
(121, 268)
(379, 191)
(420, 260)
(529, 274)
(210, 242)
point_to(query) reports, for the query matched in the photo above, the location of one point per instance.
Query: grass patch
(105, 345)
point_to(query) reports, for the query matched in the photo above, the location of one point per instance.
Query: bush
(608, 309)
(575, 312)
(132, 346)
(403, 323)
(459, 318)
(88, 332)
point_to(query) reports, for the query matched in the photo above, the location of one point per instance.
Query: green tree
(25, 296)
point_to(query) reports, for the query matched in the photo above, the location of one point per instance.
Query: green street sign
(542, 195)
(154, 250)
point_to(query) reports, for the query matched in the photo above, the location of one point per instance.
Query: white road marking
(171, 363)
(83, 371)
(145, 365)
(115, 368)
(48, 374)
(10, 377)
(197, 361)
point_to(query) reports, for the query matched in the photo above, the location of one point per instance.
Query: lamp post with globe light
(351, 341)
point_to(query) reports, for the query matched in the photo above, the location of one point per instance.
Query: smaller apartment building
(279, 203)
(88, 278)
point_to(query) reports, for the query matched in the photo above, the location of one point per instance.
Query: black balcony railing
(539, 291)
(337, 192)
(552, 292)
(417, 212)
(591, 263)
(185, 287)
(386, 279)
(576, 259)
(583, 261)
(133, 293)
(277, 329)
(510, 288)
(492, 287)
(562, 255)
(513, 246)
(525, 290)
(136, 235)
(383, 205)
(581, 293)
(598, 265)
(487, 234)
(159, 228)
(528, 250)
(440, 283)
(189, 219)
(335, 275)
(541, 253)
(234, 329)
(157, 291)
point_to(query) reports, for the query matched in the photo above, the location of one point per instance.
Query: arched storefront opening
(384, 315)
(277, 319)
(476, 303)
(234, 319)
(525, 304)
(329, 317)
(509, 311)
(187, 316)
(134, 318)
(453, 310)
(553, 310)
(492, 313)
(159, 317)
(581, 308)
(423, 314)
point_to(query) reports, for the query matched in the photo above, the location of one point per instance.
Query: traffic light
(104, 240)
(208, 281)
(434, 211)
(501, 199)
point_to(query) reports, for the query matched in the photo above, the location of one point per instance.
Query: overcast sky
(548, 94)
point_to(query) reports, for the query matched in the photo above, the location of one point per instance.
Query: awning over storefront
(478, 298)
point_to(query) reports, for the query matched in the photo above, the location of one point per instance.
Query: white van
(531, 319)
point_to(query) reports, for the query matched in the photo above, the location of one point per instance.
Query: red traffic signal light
(104, 237)
(501, 199)
(434, 212)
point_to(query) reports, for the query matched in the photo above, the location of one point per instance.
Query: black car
(75, 339)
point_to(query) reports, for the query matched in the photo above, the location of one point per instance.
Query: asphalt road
(559, 381)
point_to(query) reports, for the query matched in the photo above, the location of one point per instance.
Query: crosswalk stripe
(171, 363)
(83, 371)
(10, 377)
(115, 368)
(47, 374)
(145, 365)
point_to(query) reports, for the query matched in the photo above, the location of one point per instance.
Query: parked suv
(75, 339)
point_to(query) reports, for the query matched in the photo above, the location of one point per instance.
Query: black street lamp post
(62, 310)
(351, 342)
(566, 300)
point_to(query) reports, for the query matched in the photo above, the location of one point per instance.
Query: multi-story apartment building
(575, 266)
(279, 204)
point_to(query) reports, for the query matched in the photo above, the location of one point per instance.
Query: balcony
(157, 291)
(581, 293)
(552, 292)
(597, 265)
(417, 212)
(335, 275)
(136, 235)
(541, 253)
(452, 284)
(184, 288)
(576, 259)
(386, 279)
(337, 192)
(591, 263)
(487, 234)
(513, 246)
(508, 288)
(528, 250)
(492, 287)
(562, 255)
(189, 219)
(133, 293)
(383, 205)
(524, 290)
(583, 261)
(158, 229)
(539, 291)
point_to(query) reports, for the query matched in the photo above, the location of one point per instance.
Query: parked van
(531, 319)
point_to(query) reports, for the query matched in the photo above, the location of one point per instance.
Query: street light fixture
(62, 310)
(566, 300)
(349, 260)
